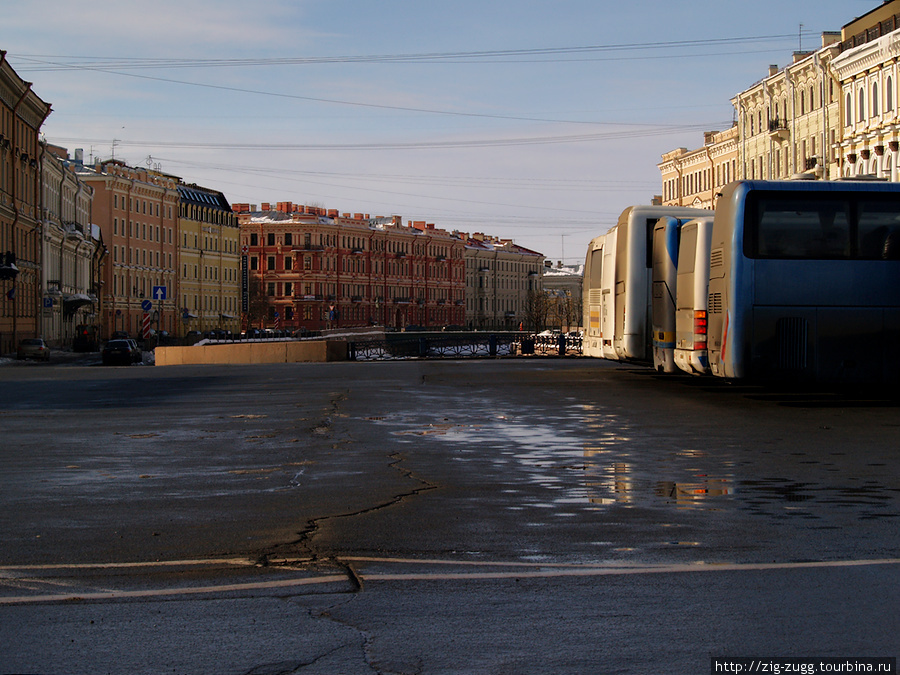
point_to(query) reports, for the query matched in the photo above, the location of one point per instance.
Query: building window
(288, 239)
(849, 107)
(288, 263)
(874, 106)
(254, 263)
(270, 239)
(862, 105)
(270, 263)
(254, 239)
(270, 290)
(889, 95)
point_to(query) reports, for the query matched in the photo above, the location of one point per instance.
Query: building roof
(194, 194)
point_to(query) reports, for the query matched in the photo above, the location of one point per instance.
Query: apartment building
(314, 269)
(831, 113)
(867, 72)
(694, 177)
(22, 113)
(137, 211)
(209, 279)
(71, 250)
(788, 123)
(500, 275)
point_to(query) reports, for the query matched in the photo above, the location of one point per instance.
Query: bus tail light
(700, 325)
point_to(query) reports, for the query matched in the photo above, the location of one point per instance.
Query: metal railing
(463, 345)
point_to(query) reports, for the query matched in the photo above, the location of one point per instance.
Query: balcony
(779, 129)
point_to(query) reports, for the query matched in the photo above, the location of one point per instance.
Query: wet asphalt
(486, 516)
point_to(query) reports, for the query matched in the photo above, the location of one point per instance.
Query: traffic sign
(146, 305)
(159, 292)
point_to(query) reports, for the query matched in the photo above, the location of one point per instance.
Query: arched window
(862, 105)
(874, 106)
(849, 108)
(889, 95)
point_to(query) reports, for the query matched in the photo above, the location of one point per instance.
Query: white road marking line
(512, 570)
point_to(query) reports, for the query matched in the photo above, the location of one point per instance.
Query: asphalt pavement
(530, 515)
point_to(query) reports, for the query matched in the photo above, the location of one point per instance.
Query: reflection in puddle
(554, 455)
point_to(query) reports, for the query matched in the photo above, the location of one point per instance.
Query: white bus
(691, 290)
(619, 308)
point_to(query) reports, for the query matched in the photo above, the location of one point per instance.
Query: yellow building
(867, 70)
(209, 280)
(693, 177)
(789, 121)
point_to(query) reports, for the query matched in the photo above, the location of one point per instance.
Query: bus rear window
(820, 226)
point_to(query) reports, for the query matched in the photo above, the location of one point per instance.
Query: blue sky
(532, 120)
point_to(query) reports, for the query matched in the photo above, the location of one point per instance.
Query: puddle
(585, 457)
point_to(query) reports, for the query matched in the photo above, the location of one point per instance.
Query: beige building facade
(500, 275)
(693, 177)
(70, 251)
(868, 72)
(788, 123)
(831, 113)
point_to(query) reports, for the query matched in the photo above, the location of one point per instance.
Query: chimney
(773, 69)
(79, 155)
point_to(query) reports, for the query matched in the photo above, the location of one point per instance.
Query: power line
(479, 56)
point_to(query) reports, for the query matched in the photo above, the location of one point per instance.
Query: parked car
(33, 348)
(192, 337)
(137, 355)
(119, 335)
(118, 352)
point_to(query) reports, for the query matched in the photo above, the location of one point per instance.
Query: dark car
(33, 348)
(137, 355)
(118, 352)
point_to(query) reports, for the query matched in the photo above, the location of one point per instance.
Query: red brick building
(311, 268)
(137, 212)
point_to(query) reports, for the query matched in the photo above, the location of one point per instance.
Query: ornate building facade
(71, 251)
(831, 113)
(868, 73)
(22, 113)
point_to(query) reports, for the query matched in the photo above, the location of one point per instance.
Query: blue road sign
(159, 292)
(146, 305)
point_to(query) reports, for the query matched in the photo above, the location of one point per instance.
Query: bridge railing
(463, 345)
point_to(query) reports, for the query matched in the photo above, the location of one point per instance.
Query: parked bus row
(785, 279)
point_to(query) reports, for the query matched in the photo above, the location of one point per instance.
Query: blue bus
(804, 281)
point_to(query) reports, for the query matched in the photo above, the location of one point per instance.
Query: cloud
(162, 28)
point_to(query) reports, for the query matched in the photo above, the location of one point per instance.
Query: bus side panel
(623, 267)
(691, 294)
(730, 293)
(665, 259)
(607, 300)
(592, 295)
